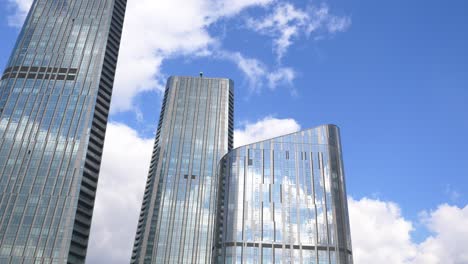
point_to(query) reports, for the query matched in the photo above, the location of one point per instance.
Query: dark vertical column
(89, 180)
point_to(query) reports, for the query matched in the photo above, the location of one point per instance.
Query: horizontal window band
(273, 245)
(51, 73)
(40, 69)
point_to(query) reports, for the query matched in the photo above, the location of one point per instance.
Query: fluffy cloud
(265, 128)
(121, 185)
(380, 234)
(158, 30)
(449, 241)
(287, 22)
(20, 11)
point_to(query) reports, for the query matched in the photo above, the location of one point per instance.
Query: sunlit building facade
(54, 100)
(283, 200)
(195, 130)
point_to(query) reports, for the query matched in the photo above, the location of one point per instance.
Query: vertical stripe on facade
(283, 200)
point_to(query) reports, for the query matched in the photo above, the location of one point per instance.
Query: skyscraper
(195, 130)
(54, 100)
(283, 200)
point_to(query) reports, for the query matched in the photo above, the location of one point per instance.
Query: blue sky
(393, 75)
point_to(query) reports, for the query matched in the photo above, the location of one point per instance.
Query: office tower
(178, 212)
(283, 200)
(54, 100)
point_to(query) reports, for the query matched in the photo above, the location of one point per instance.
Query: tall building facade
(283, 200)
(195, 130)
(54, 100)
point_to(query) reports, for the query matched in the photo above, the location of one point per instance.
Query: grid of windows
(284, 201)
(195, 130)
(54, 101)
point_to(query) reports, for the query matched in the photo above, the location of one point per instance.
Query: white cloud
(380, 234)
(254, 70)
(157, 30)
(282, 76)
(20, 11)
(258, 74)
(287, 23)
(232, 7)
(284, 23)
(121, 185)
(338, 24)
(265, 128)
(448, 244)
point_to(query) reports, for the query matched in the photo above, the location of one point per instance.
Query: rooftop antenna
(201, 74)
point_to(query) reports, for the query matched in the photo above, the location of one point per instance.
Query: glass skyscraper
(195, 130)
(283, 200)
(54, 100)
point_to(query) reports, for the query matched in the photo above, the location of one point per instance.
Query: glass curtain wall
(178, 212)
(54, 100)
(283, 200)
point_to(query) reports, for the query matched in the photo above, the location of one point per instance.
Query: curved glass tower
(178, 212)
(54, 100)
(283, 200)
